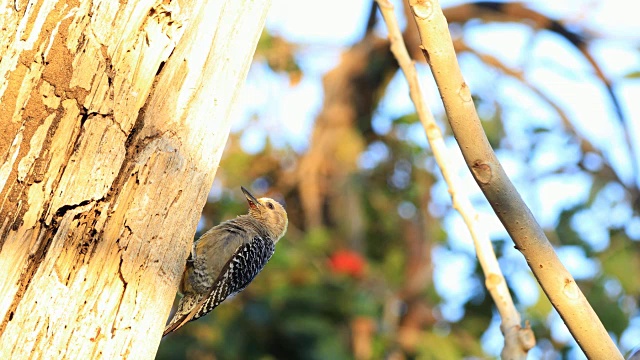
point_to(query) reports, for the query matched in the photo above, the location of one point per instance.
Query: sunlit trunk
(114, 116)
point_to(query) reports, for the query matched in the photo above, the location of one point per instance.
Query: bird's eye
(270, 205)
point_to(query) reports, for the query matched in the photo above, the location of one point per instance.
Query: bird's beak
(253, 202)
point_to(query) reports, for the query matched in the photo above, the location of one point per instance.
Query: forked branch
(530, 240)
(518, 340)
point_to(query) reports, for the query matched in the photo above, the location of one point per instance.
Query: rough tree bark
(114, 116)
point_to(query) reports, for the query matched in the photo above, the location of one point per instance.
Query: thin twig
(556, 281)
(518, 340)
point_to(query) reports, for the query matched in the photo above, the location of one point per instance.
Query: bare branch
(556, 281)
(518, 340)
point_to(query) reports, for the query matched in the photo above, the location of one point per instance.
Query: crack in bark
(65, 208)
(35, 259)
(125, 283)
(33, 263)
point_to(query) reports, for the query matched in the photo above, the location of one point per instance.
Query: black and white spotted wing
(247, 261)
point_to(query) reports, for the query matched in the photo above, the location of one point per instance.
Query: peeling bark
(114, 116)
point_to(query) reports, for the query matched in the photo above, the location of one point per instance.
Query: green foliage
(300, 308)
(565, 231)
(279, 55)
(620, 260)
(388, 211)
(607, 306)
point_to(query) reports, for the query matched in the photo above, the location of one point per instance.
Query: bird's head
(269, 212)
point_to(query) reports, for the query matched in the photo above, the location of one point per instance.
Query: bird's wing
(221, 242)
(246, 262)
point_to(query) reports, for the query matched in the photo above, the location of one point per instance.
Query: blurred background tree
(376, 263)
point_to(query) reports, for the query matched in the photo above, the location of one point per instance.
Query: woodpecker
(226, 258)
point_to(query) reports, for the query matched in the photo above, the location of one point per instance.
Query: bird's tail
(184, 312)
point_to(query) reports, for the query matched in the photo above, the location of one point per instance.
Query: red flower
(347, 262)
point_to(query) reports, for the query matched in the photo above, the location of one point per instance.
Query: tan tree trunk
(105, 163)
